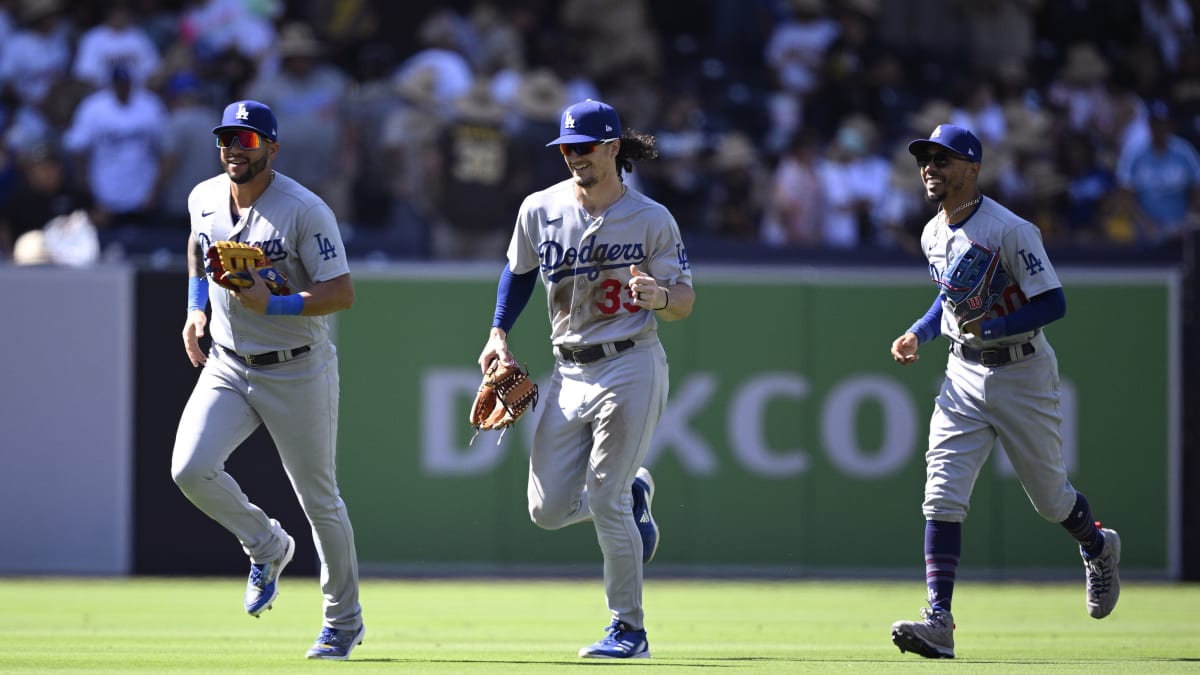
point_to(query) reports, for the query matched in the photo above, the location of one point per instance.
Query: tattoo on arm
(196, 259)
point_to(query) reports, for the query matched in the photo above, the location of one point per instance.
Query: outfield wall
(791, 443)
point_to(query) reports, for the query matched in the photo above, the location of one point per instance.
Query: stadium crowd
(781, 124)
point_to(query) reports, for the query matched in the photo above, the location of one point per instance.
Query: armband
(197, 293)
(291, 305)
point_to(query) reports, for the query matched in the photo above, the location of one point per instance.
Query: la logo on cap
(569, 121)
(242, 113)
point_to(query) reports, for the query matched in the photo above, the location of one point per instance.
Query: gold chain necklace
(960, 207)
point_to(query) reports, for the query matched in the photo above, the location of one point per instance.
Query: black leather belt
(584, 355)
(996, 356)
(268, 358)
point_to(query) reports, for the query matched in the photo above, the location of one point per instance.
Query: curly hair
(635, 146)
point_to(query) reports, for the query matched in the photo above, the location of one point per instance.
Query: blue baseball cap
(953, 138)
(250, 115)
(588, 121)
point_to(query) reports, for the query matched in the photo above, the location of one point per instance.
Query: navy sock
(943, 547)
(1083, 528)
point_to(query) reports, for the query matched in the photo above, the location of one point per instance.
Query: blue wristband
(285, 304)
(197, 293)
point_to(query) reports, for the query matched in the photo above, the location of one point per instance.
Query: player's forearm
(327, 297)
(679, 301)
(1042, 309)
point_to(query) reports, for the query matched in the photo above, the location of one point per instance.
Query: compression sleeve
(1041, 309)
(512, 294)
(928, 327)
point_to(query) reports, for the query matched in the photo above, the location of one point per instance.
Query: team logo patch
(568, 121)
(242, 113)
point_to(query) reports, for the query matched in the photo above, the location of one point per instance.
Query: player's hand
(496, 348)
(255, 297)
(646, 291)
(193, 330)
(904, 349)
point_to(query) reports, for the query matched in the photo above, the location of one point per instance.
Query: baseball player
(613, 264)
(1001, 384)
(271, 363)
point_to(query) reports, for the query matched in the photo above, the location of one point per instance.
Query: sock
(943, 546)
(1083, 527)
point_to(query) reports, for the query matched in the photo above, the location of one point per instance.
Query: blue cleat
(622, 642)
(643, 494)
(336, 645)
(263, 585)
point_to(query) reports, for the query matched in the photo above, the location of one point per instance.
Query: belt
(584, 355)
(996, 356)
(268, 358)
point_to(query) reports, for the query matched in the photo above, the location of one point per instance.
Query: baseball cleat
(643, 494)
(1103, 578)
(622, 642)
(931, 637)
(263, 585)
(336, 645)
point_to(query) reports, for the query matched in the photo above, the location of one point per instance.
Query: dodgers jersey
(299, 235)
(585, 261)
(1022, 257)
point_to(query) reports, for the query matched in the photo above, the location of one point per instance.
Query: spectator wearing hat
(115, 137)
(187, 155)
(477, 183)
(796, 201)
(541, 96)
(1160, 180)
(309, 96)
(408, 139)
(856, 181)
(38, 55)
(117, 40)
(42, 191)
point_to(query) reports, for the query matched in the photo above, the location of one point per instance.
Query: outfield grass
(197, 625)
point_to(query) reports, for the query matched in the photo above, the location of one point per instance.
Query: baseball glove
(233, 265)
(973, 283)
(504, 395)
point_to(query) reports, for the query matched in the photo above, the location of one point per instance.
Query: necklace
(960, 207)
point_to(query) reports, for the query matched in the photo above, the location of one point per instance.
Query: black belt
(996, 356)
(583, 355)
(268, 358)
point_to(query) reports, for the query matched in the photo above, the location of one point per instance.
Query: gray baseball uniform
(297, 398)
(599, 417)
(1021, 397)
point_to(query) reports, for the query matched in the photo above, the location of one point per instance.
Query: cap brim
(573, 138)
(915, 147)
(223, 127)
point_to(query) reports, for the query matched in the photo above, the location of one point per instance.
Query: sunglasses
(585, 148)
(939, 159)
(249, 140)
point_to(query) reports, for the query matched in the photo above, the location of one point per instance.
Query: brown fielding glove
(234, 265)
(504, 395)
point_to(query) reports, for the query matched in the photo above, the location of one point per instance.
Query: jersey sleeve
(1026, 261)
(522, 249)
(320, 243)
(667, 259)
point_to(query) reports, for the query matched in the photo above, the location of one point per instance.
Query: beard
(253, 169)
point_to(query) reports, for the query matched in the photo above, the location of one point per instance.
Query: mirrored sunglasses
(249, 140)
(939, 159)
(585, 148)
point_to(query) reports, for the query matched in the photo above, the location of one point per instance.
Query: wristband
(197, 293)
(666, 300)
(285, 304)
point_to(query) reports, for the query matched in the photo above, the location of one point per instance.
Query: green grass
(197, 625)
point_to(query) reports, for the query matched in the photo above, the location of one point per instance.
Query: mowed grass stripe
(520, 626)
